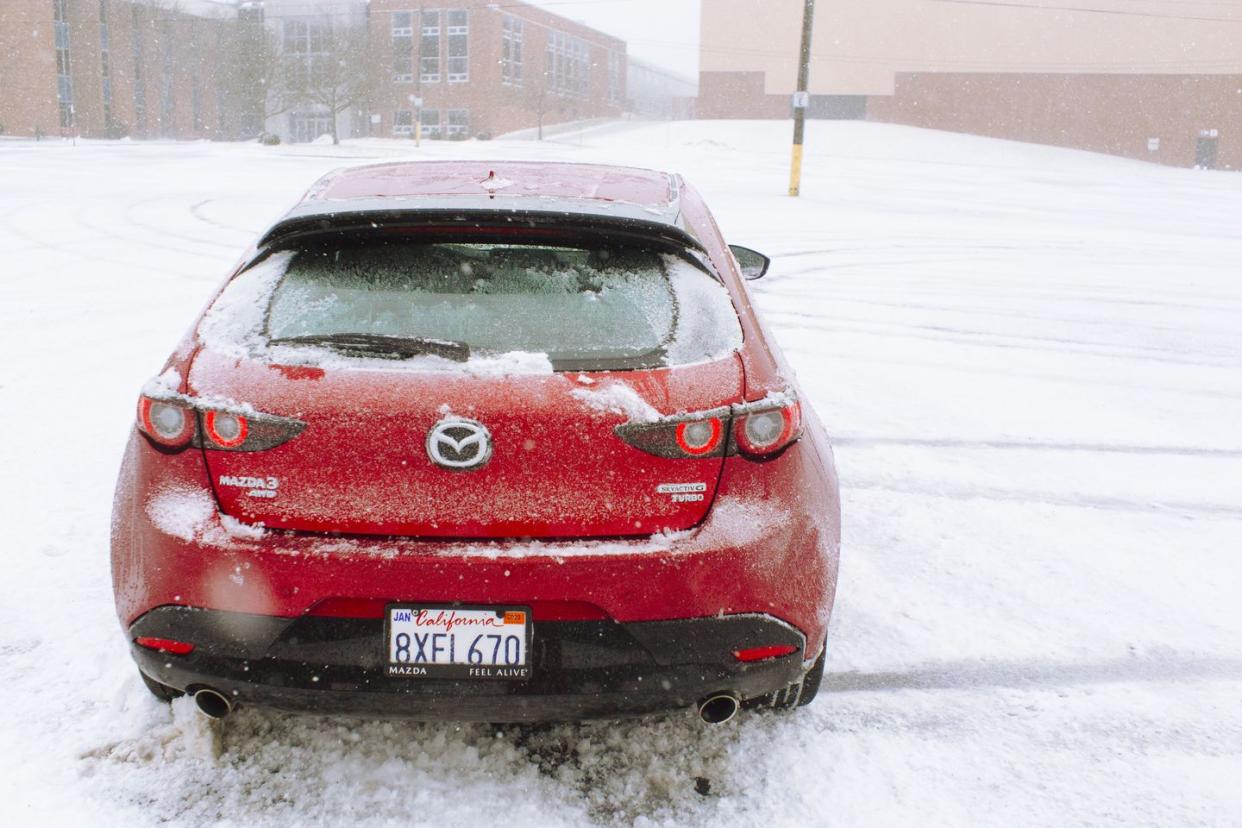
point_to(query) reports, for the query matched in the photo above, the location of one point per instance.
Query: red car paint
(562, 519)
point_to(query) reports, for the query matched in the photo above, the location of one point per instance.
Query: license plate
(453, 642)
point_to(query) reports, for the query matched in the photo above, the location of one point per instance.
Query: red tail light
(758, 429)
(165, 645)
(225, 429)
(175, 421)
(168, 422)
(764, 430)
(699, 438)
(751, 654)
(691, 435)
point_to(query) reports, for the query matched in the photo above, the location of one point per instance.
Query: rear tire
(793, 695)
(161, 691)
(813, 679)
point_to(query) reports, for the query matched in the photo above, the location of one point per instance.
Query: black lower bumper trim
(580, 669)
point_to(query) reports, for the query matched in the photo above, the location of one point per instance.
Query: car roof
(510, 179)
(465, 192)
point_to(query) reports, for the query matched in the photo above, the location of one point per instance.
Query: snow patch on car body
(190, 514)
(618, 398)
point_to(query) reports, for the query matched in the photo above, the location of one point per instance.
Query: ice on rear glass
(517, 308)
(234, 324)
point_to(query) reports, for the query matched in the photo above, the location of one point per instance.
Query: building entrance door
(1205, 150)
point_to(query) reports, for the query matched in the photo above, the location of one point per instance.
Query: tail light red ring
(791, 422)
(147, 421)
(707, 447)
(243, 428)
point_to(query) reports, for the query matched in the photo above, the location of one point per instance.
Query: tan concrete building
(1152, 79)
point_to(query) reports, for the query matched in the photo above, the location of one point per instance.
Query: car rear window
(584, 307)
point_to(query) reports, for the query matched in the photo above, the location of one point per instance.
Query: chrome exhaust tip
(719, 709)
(213, 703)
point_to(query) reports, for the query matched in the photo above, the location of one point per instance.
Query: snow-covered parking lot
(1030, 360)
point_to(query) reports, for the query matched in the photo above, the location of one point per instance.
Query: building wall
(655, 92)
(1107, 77)
(175, 59)
(1118, 114)
(27, 69)
(495, 105)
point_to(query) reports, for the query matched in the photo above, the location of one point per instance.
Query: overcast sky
(664, 32)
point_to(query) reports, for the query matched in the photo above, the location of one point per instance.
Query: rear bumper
(581, 669)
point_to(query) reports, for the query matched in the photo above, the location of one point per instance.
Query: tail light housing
(756, 430)
(686, 436)
(177, 421)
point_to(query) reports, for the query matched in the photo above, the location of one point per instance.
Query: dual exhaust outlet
(719, 708)
(716, 709)
(213, 703)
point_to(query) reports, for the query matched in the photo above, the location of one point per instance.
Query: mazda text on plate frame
(501, 442)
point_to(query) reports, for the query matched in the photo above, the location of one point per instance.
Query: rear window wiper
(396, 347)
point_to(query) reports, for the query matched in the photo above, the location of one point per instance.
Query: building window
(615, 74)
(429, 48)
(458, 46)
(430, 120)
(569, 65)
(306, 49)
(105, 64)
(139, 79)
(403, 122)
(64, 82)
(196, 82)
(511, 51)
(458, 122)
(403, 47)
(168, 98)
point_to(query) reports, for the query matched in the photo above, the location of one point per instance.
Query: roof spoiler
(614, 218)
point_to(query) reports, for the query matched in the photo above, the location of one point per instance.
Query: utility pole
(801, 97)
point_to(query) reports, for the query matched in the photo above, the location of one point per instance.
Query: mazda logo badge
(459, 445)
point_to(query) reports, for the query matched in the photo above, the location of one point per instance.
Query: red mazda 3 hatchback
(499, 442)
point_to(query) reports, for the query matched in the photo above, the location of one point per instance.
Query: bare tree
(334, 74)
(253, 76)
(539, 98)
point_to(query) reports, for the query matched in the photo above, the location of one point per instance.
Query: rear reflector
(165, 645)
(763, 653)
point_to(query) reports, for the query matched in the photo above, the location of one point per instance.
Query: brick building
(206, 68)
(111, 68)
(1159, 80)
(483, 68)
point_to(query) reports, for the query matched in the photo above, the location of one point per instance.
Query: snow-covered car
(497, 442)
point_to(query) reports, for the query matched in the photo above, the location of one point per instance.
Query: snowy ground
(1031, 362)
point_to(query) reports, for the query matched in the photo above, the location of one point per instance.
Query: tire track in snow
(951, 491)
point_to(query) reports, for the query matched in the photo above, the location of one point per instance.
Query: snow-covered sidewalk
(1031, 361)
